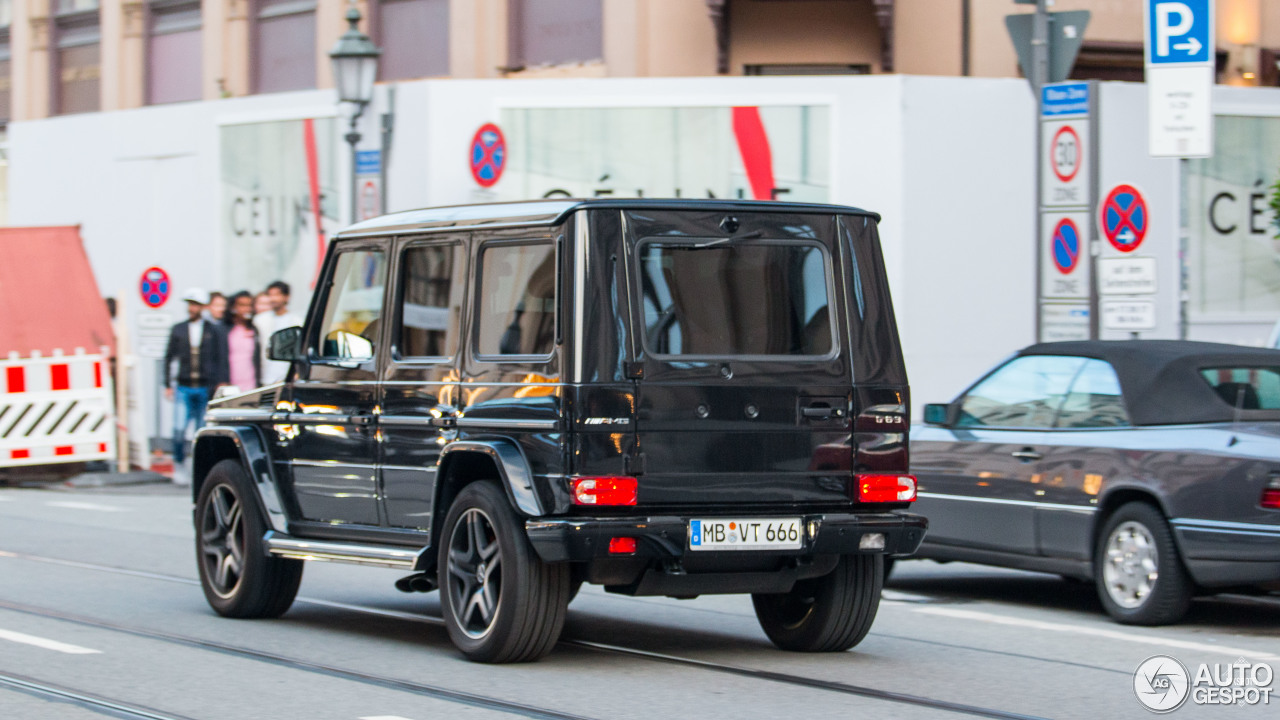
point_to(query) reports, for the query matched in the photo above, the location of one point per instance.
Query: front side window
(353, 311)
(747, 298)
(1095, 400)
(431, 313)
(1245, 388)
(517, 314)
(1025, 393)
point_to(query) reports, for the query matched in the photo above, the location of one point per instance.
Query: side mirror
(285, 344)
(225, 391)
(936, 413)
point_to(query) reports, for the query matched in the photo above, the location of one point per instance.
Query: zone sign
(1064, 157)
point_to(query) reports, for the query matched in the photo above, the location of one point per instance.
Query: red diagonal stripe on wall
(753, 145)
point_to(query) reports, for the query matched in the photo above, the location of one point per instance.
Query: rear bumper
(667, 537)
(1221, 554)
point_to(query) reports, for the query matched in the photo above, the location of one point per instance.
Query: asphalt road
(101, 615)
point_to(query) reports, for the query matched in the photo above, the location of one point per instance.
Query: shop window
(795, 69)
(173, 51)
(414, 37)
(77, 58)
(555, 32)
(284, 45)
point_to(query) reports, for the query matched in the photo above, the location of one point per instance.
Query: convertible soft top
(1161, 379)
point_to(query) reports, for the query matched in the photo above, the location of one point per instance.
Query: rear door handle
(362, 419)
(818, 413)
(1027, 454)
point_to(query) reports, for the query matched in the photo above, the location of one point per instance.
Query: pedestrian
(200, 349)
(244, 352)
(261, 303)
(217, 309)
(274, 320)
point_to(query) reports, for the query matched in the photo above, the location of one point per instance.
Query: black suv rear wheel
(831, 613)
(239, 578)
(500, 602)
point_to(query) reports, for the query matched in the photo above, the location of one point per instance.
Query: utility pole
(1038, 76)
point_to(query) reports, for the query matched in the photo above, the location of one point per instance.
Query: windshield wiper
(720, 241)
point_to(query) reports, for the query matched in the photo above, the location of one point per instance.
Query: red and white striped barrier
(57, 409)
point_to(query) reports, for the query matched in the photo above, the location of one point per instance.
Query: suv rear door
(745, 390)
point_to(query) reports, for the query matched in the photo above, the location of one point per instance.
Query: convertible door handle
(1027, 455)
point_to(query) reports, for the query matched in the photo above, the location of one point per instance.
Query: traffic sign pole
(1095, 180)
(1038, 76)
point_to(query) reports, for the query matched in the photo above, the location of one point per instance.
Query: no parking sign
(1124, 218)
(1065, 247)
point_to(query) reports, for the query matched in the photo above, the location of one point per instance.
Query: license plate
(749, 534)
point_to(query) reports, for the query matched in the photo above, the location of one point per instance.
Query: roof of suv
(553, 212)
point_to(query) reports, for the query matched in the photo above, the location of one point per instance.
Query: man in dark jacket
(200, 349)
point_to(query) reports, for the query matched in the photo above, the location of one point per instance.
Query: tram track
(461, 697)
(80, 698)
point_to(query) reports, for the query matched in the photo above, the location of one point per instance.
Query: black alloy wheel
(1137, 568)
(831, 613)
(237, 575)
(501, 602)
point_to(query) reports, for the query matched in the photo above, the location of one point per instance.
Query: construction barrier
(57, 409)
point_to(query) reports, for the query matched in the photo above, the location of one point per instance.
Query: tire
(515, 615)
(239, 578)
(888, 569)
(831, 613)
(1139, 574)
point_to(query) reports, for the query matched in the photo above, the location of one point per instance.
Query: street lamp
(355, 67)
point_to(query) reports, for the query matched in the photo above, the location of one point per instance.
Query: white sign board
(1064, 271)
(1064, 321)
(1180, 67)
(152, 337)
(1064, 163)
(1129, 314)
(1127, 276)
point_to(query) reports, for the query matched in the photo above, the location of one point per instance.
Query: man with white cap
(200, 349)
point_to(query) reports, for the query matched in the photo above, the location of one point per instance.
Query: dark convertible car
(1149, 467)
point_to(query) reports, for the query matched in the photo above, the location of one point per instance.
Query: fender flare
(255, 459)
(513, 469)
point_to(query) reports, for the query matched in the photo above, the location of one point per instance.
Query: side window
(1094, 400)
(1026, 393)
(1249, 388)
(431, 285)
(353, 311)
(517, 300)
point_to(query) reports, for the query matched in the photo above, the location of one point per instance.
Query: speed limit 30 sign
(1065, 177)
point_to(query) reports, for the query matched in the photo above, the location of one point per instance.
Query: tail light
(622, 546)
(603, 490)
(1271, 494)
(886, 488)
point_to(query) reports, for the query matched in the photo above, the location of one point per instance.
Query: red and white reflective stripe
(55, 409)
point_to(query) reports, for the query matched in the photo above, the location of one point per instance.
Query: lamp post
(355, 67)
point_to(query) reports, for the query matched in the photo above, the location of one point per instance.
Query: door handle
(362, 419)
(817, 412)
(1027, 454)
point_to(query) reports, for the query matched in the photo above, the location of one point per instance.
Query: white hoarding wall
(228, 194)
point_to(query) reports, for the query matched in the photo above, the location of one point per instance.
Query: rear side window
(1094, 400)
(1245, 388)
(746, 298)
(432, 310)
(517, 308)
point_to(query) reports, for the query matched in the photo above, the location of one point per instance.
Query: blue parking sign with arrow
(1179, 31)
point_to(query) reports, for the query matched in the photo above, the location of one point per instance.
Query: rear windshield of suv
(745, 298)
(1246, 388)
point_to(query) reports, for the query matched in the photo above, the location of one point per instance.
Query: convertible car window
(1094, 400)
(745, 298)
(1026, 393)
(1246, 388)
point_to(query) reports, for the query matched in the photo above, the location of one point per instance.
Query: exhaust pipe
(418, 582)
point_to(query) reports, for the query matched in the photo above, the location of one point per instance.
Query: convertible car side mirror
(285, 344)
(937, 414)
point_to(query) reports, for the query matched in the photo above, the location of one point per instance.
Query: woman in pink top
(243, 354)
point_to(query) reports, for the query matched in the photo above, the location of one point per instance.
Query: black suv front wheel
(500, 602)
(239, 578)
(831, 613)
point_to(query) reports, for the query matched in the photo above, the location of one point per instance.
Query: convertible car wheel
(239, 578)
(831, 613)
(1140, 577)
(501, 603)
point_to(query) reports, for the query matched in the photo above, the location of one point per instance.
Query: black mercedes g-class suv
(663, 397)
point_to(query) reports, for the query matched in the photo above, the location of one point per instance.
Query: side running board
(378, 555)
